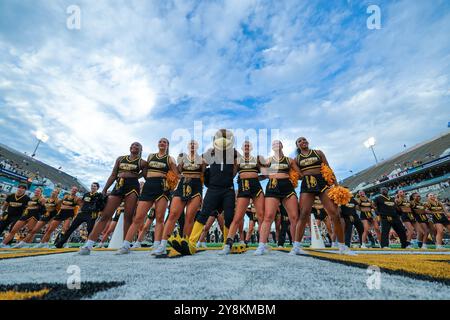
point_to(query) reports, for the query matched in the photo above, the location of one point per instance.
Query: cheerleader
(111, 226)
(313, 183)
(367, 209)
(126, 172)
(92, 204)
(321, 216)
(145, 228)
(29, 217)
(406, 213)
(52, 206)
(187, 196)
(155, 192)
(420, 214)
(351, 218)
(13, 208)
(250, 189)
(222, 166)
(440, 218)
(67, 211)
(279, 190)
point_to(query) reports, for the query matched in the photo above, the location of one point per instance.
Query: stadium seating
(32, 165)
(405, 164)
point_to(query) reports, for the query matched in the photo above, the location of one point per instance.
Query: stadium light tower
(369, 143)
(42, 137)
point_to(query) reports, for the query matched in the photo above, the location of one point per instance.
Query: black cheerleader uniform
(279, 188)
(249, 187)
(16, 207)
(88, 214)
(439, 216)
(365, 207)
(50, 210)
(33, 211)
(127, 186)
(311, 183)
(189, 188)
(156, 188)
(351, 218)
(419, 212)
(406, 213)
(318, 211)
(68, 201)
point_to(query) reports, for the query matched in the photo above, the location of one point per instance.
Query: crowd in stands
(21, 169)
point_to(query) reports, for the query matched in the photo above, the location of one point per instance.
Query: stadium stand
(422, 168)
(16, 168)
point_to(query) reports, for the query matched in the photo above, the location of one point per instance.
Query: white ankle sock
(164, 243)
(126, 244)
(156, 244)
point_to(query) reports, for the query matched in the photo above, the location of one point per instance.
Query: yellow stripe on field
(16, 295)
(430, 265)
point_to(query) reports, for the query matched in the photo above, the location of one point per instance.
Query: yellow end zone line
(426, 267)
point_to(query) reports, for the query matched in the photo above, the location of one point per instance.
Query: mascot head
(223, 140)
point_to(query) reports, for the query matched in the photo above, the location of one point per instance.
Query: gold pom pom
(293, 176)
(172, 180)
(328, 174)
(339, 195)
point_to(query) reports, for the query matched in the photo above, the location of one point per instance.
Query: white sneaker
(260, 251)
(226, 250)
(198, 245)
(364, 246)
(2, 245)
(409, 247)
(161, 250)
(296, 251)
(439, 247)
(334, 245)
(424, 246)
(346, 251)
(136, 245)
(241, 242)
(123, 250)
(19, 245)
(66, 246)
(203, 245)
(84, 251)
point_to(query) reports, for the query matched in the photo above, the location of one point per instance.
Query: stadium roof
(423, 152)
(30, 164)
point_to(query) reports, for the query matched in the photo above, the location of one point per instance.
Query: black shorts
(216, 201)
(441, 219)
(64, 214)
(408, 217)
(188, 188)
(421, 218)
(31, 214)
(319, 214)
(280, 188)
(315, 184)
(126, 186)
(155, 189)
(47, 216)
(367, 216)
(249, 188)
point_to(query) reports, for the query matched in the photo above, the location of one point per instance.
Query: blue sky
(140, 70)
